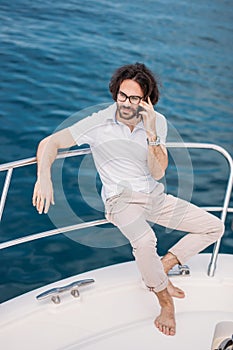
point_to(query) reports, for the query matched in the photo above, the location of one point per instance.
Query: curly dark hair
(139, 73)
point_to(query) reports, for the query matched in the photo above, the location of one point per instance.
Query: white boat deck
(117, 311)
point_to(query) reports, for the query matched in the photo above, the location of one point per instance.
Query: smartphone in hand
(140, 109)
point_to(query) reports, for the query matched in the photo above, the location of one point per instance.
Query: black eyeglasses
(122, 97)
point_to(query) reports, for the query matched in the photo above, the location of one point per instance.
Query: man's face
(127, 109)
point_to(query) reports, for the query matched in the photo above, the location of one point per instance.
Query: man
(128, 142)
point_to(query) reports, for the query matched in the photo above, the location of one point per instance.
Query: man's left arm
(157, 152)
(157, 160)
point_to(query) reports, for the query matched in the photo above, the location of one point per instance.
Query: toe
(161, 328)
(181, 293)
(172, 331)
(156, 323)
(166, 330)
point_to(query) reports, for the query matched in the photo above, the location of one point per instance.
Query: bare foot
(165, 322)
(175, 291)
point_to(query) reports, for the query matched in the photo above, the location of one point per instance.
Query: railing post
(5, 191)
(214, 256)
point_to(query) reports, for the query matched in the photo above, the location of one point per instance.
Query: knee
(219, 228)
(145, 242)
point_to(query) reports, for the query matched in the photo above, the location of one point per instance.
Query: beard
(127, 112)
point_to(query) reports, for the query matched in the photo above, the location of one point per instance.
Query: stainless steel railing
(9, 167)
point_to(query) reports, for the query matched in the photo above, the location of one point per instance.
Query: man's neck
(131, 123)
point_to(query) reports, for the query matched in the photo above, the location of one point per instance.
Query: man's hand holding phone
(148, 115)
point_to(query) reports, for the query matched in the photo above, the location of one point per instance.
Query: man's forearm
(157, 154)
(48, 148)
(157, 161)
(46, 154)
(43, 189)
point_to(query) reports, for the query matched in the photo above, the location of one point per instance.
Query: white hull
(117, 312)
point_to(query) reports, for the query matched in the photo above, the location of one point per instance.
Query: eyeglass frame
(129, 97)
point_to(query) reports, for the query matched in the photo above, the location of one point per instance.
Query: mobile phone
(140, 109)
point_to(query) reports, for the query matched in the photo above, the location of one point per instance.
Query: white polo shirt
(120, 155)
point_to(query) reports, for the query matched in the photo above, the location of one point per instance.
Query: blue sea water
(57, 59)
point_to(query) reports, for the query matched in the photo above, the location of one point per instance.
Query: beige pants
(131, 212)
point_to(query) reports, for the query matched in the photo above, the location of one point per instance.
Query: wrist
(155, 141)
(45, 174)
(151, 137)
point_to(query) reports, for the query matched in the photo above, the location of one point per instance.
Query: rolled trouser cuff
(159, 287)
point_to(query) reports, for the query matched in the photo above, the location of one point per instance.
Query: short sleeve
(86, 130)
(83, 131)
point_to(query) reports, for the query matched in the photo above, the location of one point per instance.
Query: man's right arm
(46, 154)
